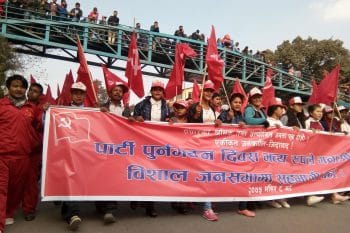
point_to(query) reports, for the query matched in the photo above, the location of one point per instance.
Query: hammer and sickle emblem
(65, 123)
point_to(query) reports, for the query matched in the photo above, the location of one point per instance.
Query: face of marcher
(329, 115)
(180, 111)
(157, 93)
(297, 108)
(217, 101)
(208, 94)
(78, 96)
(116, 93)
(17, 90)
(316, 114)
(33, 94)
(279, 112)
(236, 104)
(256, 101)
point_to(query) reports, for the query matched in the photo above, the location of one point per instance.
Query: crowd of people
(21, 123)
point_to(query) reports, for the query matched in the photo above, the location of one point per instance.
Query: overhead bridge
(48, 36)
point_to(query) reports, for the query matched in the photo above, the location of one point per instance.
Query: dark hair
(312, 107)
(271, 109)
(38, 86)
(18, 77)
(235, 95)
(216, 95)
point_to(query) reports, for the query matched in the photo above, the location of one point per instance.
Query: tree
(313, 57)
(8, 61)
(102, 94)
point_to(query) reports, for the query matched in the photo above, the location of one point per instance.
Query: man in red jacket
(17, 138)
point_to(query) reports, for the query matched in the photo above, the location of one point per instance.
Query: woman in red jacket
(17, 138)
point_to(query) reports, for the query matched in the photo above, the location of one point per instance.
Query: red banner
(89, 155)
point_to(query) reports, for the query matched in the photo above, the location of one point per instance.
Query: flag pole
(227, 99)
(204, 76)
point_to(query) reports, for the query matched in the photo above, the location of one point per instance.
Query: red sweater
(17, 128)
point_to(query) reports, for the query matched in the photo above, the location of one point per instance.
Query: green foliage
(8, 61)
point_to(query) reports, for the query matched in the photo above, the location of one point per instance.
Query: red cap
(182, 103)
(157, 83)
(120, 84)
(278, 102)
(209, 85)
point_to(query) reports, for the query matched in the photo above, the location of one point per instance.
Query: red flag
(32, 79)
(174, 85)
(133, 69)
(65, 98)
(111, 79)
(196, 92)
(84, 76)
(58, 91)
(214, 63)
(268, 93)
(314, 96)
(48, 96)
(237, 88)
(328, 87)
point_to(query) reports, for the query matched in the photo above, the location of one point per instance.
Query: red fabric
(58, 91)
(133, 69)
(214, 63)
(111, 79)
(196, 92)
(237, 88)
(328, 87)
(18, 134)
(48, 96)
(65, 98)
(316, 125)
(85, 77)
(13, 177)
(314, 95)
(32, 79)
(31, 190)
(268, 93)
(174, 86)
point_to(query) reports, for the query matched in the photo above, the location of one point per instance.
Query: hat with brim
(209, 85)
(78, 86)
(278, 102)
(295, 100)
(119, 84)
(157, 83)
(181, 103)
(328, 109)
(254, 92)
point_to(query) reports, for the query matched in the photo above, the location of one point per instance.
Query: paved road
(323, 218)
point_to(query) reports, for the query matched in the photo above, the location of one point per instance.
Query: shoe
(150, 211)
(210, 215)
(109, 218)
(275, 204)
(285, 204)
(9, 221)
(311, 200)
(337, 198)
(74, 223)
(247, 213)
(29, 217)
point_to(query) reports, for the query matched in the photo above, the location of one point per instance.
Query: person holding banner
(313, 123)
(116, 93)
(275, 113)
(152, 108)
(203, 112)
(329, 122)
(345, 126)
(233, 115)
(18, 120)
(294, 116)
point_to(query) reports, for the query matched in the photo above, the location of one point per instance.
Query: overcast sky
(257, 24)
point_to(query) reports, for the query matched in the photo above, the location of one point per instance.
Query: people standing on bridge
(53, 8)
(76, 13)
(31, 191)
(112, 21)
(203, 112)
(62, 10)
(152, 108)
(18, 120)
(93, 15)
(180, 32)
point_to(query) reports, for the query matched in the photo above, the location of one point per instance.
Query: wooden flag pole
(204, 76)
(227, 99)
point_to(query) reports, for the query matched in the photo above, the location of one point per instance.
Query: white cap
(254, 91)
(341, 108)
(295, 100)
(79, 86)
(328, 109)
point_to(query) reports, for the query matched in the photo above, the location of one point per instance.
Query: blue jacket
(253, 117)
(235, 120)
(144, 109)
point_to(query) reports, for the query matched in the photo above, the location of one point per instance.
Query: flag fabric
(48, 96)
(111, 79)
(85, 77)
(215, 64)
(196, 92)
(65, 98)
(328, 87)
(174, 85)
(32, 79)
(314, 95)
(268, 93)
(133, 69)
(237, 88)
(58, 91)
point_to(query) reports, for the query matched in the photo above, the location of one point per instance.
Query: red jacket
(17, 128)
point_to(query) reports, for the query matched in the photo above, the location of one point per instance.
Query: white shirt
(345, 127)
(116, 109)
(274, 122)
(156, 110)
(208, 116)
